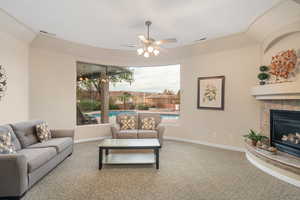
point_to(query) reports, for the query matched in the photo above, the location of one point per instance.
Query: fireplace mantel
(279, 91)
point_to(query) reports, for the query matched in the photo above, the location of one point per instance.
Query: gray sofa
(117, 133)
(33, 160)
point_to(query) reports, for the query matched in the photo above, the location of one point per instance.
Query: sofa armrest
(13, 175)
(59, 133)
(160, 129)
(115, 130)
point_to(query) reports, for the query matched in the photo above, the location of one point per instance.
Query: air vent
(45, 33)
(201, 39)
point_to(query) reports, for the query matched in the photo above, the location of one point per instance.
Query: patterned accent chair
(138, 132)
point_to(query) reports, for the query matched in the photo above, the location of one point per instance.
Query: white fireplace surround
(279, 91)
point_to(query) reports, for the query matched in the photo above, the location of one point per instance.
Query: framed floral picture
(211, 92)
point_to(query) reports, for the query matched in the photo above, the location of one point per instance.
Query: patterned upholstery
(127, 121)
(156, 117)
(14, 139)
(148, 123)
(43, 132)
(6, 145)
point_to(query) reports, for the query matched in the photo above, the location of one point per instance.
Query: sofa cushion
(156, 117)
(6, 145)
(14, 140)
(37, 157)
(148, 123)
(43, 132)
(59, 144)
(26, 132)
(128, 121)
(127, 134)
(147, 134)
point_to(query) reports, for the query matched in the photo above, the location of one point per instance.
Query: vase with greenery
(255, 137)
(263, 75)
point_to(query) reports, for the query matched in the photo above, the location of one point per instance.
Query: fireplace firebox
(285, 131)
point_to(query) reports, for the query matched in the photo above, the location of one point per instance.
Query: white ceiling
(113, 23)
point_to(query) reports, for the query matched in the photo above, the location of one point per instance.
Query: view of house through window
(104, 91)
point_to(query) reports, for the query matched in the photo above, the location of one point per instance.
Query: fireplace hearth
(285, 131)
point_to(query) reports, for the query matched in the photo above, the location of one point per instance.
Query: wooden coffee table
(129, 158)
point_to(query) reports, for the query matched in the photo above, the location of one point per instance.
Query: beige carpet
(188, 171)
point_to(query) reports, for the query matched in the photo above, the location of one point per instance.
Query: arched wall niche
(278, 36)
(285, 13)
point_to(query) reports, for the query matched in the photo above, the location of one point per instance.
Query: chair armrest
(59, 133)
(115, 130)
(160, 130)
(13, 175)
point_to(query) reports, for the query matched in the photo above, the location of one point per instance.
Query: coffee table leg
(157, 158)
(106, 151)
(100, 158)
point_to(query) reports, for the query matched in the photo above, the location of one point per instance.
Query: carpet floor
(187, 172)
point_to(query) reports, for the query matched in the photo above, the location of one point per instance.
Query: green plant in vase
(255, 137)
(263, 75)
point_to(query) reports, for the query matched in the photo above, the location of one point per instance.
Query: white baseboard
(221, 146)
(227, 147)
(272, 172)
(90, 139)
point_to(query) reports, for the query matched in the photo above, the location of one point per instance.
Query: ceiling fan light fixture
(140, 51)
(149, 46)
(141, 37)
(150, 49)
(146, 54)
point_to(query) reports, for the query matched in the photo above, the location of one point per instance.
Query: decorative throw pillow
(43, 132)
(127, 122)
(6, 146)
(148, 123)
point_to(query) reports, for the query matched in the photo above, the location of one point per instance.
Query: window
(106, 91)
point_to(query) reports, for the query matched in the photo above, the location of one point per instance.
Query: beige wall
(87, 132)
(241, 109)
(14, 58)
(53, 88)
(53, 75)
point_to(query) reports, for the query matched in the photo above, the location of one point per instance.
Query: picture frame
(211, 92)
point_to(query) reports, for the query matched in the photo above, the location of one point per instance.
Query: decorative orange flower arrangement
(283, 65)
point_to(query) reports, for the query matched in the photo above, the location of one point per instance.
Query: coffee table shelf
(107, 157)
(129, 158)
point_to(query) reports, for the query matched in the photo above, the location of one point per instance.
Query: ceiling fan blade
(161, 49)
(129, 45)
(170, 40)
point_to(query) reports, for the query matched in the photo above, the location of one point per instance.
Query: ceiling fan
(150, 46)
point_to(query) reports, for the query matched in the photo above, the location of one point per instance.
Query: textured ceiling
(113, 23)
